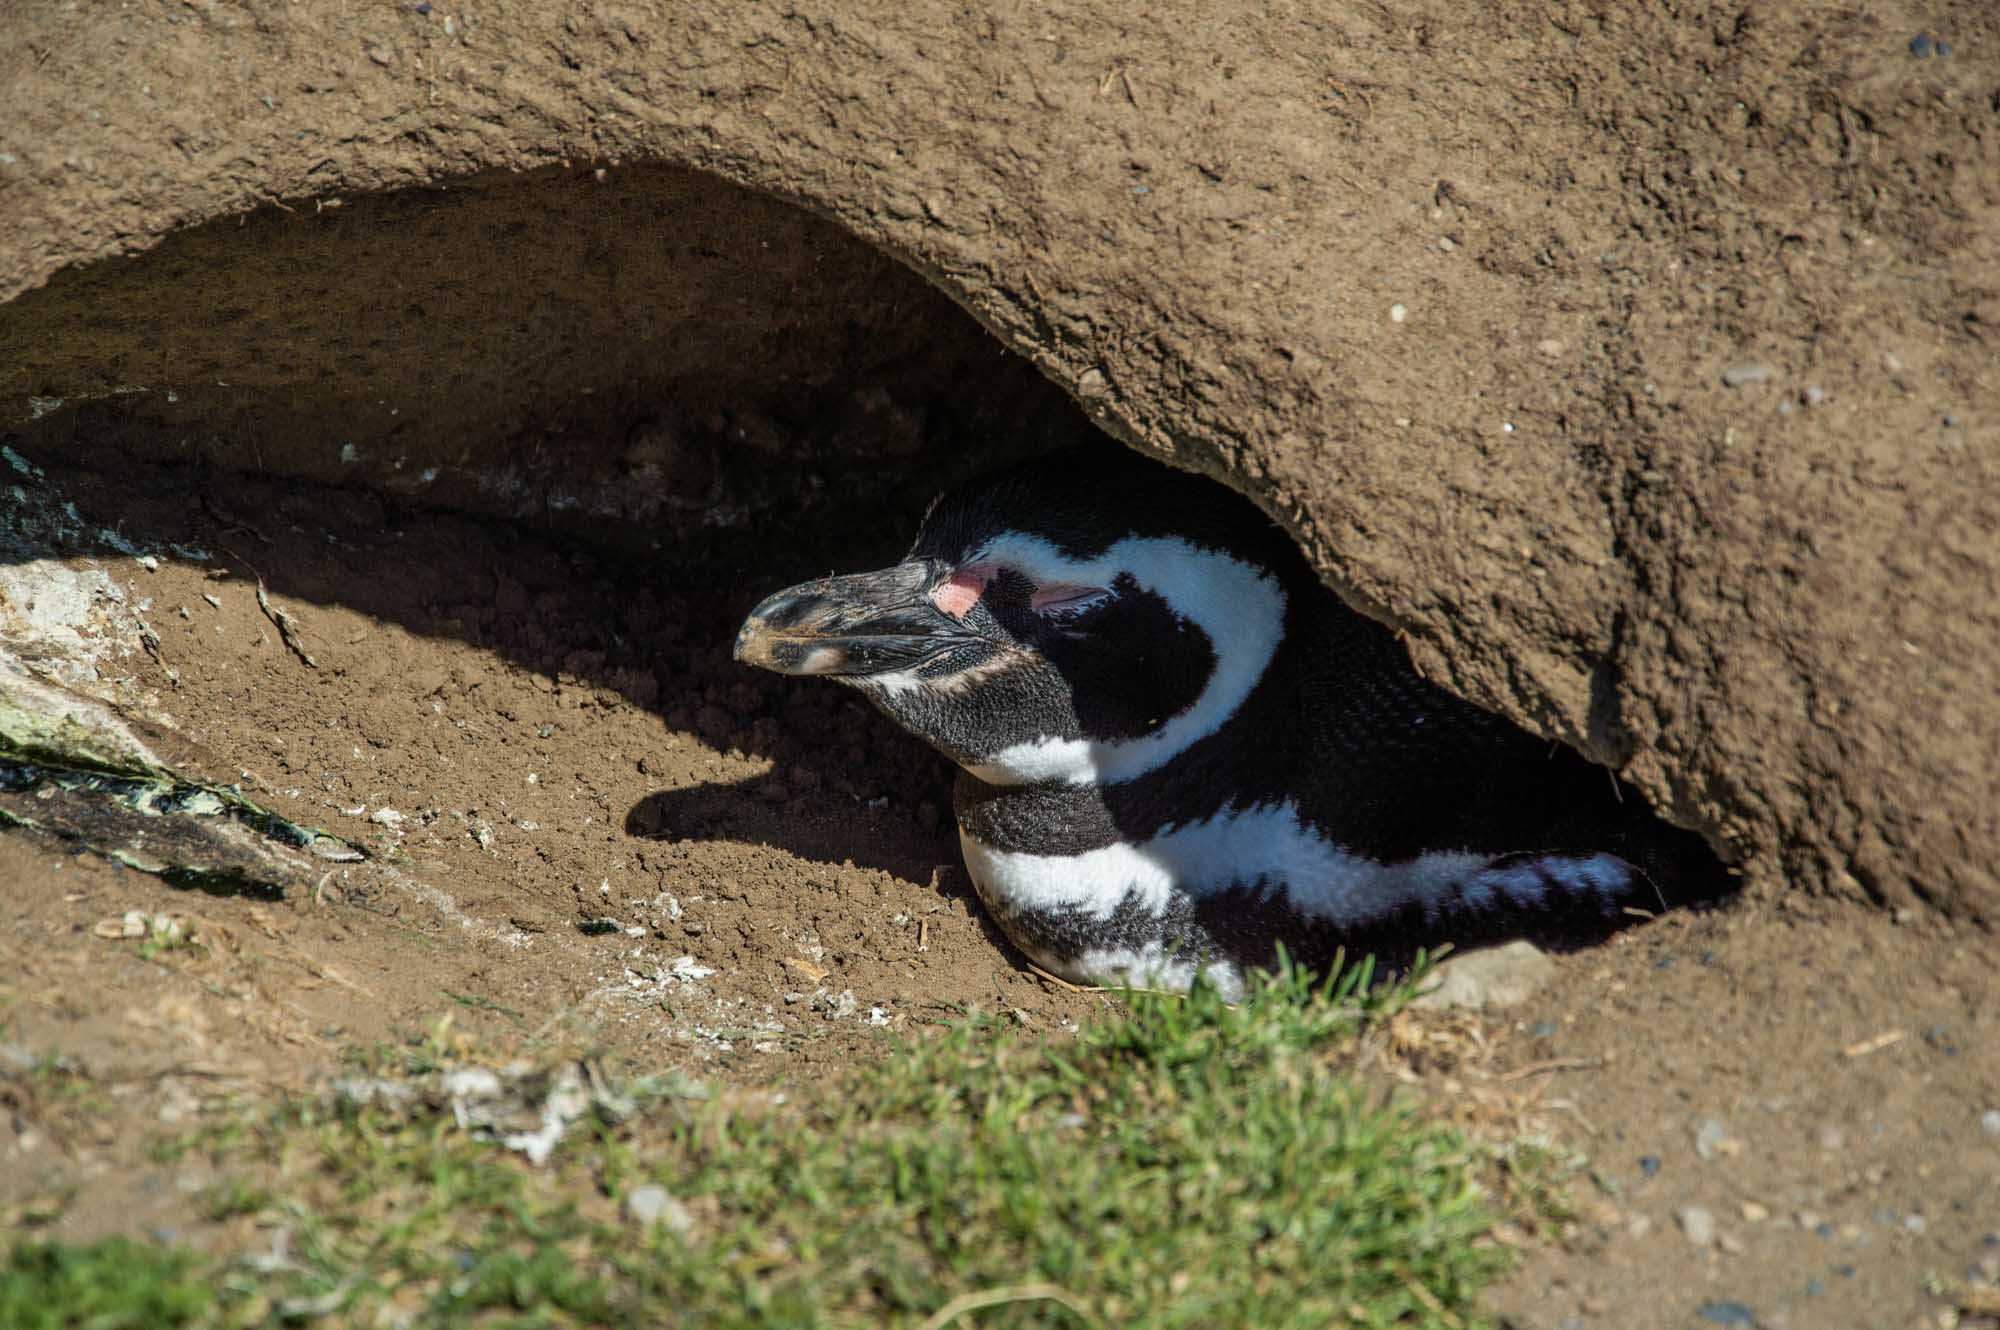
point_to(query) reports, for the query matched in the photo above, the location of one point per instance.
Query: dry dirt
(529, 736)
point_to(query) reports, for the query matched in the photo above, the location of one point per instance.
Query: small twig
(1569, 1106)
(288, 624)
(1553, 1064)
(230, 523)
(1874, 1043)
(1061, 982)
(1000, 1297)
(923, 935)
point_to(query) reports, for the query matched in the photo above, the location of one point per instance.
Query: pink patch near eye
(957, 594)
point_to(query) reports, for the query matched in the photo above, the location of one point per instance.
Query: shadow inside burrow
(582, 421)
(651, 402)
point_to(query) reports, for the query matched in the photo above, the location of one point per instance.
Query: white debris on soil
(445, 904)
(686, 968)
(518, 1107)
(163, 928)
(650, 1204)
(567, 1101)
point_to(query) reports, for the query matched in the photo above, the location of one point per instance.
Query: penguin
(1180, 754)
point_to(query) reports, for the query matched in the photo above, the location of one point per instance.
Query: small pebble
(1447, 244)
(1830, 1137)
(1726, 1313)
(653, 1204)
(1922, 46)
(1649, 1165)
(1697, 1224)
(1989, 1122)
(1398, 313)
(1784, 406)
(1749, 372)
(1754, 1213)
(1815, 394)
(1709, 1135)
(1543, 1029)
(1815, 1287)
(425, 7)
(1549, 346)
(1915, 1223)
(1730, 1243)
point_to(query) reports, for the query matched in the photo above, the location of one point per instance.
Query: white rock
(1496, 977)
(651, 1203)
(1698, 1224)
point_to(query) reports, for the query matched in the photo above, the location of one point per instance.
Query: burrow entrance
(513, 457)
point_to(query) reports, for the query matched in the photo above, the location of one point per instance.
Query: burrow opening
(522, 451)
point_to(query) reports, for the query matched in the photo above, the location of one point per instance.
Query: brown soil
(529, 737)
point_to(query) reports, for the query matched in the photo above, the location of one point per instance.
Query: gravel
(1709, 1134)
(1697, 1224)
(1989, 1122)
(1749, 372)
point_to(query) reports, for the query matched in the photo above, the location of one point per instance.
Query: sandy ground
(1781, 1104)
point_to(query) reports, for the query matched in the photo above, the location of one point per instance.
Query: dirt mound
(1634, 362)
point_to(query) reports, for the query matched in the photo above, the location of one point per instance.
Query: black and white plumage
(1180, 750)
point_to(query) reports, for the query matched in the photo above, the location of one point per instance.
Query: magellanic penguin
(1179, 750)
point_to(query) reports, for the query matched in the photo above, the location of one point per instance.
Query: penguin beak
(867, 623)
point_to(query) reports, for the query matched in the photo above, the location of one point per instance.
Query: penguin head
(1082, 618)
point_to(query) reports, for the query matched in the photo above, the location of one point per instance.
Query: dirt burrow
(1634, 361)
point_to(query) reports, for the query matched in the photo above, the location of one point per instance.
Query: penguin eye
(1066, 600)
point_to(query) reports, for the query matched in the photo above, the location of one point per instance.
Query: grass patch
(1183, 1164)
(116, 1284)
